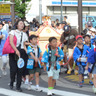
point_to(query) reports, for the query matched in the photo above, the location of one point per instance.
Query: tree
(21, 7)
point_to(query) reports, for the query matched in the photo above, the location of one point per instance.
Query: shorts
(81, 69)
(53, 73)
(70, 52)
(34, 70)
(94, 70)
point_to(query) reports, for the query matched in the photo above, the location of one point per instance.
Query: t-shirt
(17, 33)
(36, 55)
(68, 22)
(60, 31)
(81, 50)
(36, 52)
(53, 57)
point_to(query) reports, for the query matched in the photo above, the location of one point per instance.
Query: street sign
(5, 8)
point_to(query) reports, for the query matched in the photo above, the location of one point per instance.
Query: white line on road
(58, 92)
(63, 93)
(13, 93)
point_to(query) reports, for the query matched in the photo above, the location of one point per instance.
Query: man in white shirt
(66, 20)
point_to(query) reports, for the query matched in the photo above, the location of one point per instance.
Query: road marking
(57, 92)
(13, 93)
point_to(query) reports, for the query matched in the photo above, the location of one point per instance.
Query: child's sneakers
(94, 89)
(26, 81)
(90, 82)
(80, 85)
(52, 92)
(29, 87)
(4, 71)
(49, 93)
(69, 72)
(38, 88)
(30, 83)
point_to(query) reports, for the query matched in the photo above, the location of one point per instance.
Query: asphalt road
(63, 87)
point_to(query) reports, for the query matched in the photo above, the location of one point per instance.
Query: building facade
(53, 7)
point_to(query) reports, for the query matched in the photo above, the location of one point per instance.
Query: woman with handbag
(13, 57)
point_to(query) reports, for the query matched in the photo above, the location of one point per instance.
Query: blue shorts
(81, 69)
(94, 70)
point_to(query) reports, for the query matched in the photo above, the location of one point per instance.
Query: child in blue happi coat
(91, 65)
(80, 57)
(33, 64)
(51, 58)
(88, 43)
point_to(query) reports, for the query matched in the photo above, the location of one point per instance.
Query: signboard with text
(5, 8)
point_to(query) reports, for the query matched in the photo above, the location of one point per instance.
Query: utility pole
(61, 10)
(80, 16)
(40, 11)
(12, 12)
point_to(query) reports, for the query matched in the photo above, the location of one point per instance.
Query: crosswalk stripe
(57, 92)
(13, 93)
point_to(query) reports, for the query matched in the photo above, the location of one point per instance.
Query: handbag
(7, 49)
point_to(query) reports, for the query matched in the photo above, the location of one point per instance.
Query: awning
(6, 2)
(73, 3)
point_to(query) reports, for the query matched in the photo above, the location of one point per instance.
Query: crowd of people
(74, 48)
